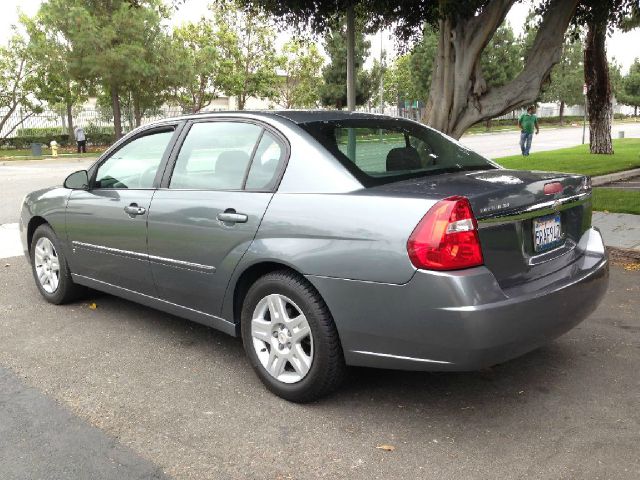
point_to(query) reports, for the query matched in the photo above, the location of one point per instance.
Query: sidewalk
(619, 230)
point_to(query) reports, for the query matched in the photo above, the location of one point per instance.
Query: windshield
(379, 151)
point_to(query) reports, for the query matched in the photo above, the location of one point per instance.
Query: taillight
(446, 238)
(552, 187)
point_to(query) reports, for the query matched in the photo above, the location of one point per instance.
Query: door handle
(134, 210)
(230, 216)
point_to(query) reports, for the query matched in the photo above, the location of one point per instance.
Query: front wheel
(290, 338)
(50, 269)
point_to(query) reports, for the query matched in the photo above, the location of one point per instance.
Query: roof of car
(300, 116)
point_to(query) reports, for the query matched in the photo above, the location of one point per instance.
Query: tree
(110, 42)
(501, 61)
(334, 91)
(630, 92)
(567, 77)
(16, 84)
(251, 48)
(600, 16)
(300, 86)
(198, 54)
(458, 95)
(54, 81)
(410, 74)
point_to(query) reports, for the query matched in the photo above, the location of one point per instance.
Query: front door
(107, 225)
(206, 215)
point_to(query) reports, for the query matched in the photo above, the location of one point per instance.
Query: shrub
(25, 141)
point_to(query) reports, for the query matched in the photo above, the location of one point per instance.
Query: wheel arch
(34, 223)
(248, 277)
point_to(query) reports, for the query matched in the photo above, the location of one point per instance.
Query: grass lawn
(579, 160)
(616, 200)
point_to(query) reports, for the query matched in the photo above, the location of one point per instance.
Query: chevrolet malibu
(325, 239)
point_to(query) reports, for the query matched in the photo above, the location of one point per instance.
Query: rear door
(107, 225)
(209, 208)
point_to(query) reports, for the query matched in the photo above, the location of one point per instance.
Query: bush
(40, 132)
(25, 141)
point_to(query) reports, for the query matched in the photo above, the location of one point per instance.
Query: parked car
(325, 239)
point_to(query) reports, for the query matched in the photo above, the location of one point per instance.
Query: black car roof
(298, 116)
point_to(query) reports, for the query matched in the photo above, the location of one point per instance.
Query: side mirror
(77, 180)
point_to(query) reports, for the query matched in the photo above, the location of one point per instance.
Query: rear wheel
(50, 269)
(290, 338)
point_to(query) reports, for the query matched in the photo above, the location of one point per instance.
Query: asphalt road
(42, 440)
(17, 178)
(495, 145)
(183, 397)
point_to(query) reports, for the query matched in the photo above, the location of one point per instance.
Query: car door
(107, 224)
(208, 211)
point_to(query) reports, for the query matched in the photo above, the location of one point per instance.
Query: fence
(55, 122)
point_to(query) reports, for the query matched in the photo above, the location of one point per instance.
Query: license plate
(547, 232)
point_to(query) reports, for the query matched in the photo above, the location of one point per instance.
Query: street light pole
(381, 76)
(351, 54)
(584, 120)
(351, 77)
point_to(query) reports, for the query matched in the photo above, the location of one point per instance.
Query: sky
(621, 46)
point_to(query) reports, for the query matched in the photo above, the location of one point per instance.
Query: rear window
(379, 151)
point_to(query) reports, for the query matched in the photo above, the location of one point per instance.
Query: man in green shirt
(527, 122)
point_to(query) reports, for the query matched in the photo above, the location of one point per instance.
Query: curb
(614, 177)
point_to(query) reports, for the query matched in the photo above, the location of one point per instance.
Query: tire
(46, 255)
(297, 355)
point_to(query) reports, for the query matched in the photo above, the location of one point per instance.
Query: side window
(215, 156)
(135, 164)
(262, 174)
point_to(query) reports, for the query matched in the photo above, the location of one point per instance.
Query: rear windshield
(379, 151)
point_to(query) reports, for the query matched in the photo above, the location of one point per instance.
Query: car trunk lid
(512, 207)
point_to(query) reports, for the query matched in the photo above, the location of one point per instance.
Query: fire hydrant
(54, 148)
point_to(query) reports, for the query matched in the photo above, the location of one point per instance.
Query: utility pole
(584, 120)
(351, 58)
(351, 77)
(381, 76)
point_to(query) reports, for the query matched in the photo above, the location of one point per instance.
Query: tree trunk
(70, 123)
(117, 117)
(561, 112)
(635, 111)
(137, 113)
(596, 75)
(459, 96)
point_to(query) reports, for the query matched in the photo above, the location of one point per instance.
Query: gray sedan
(325, 239)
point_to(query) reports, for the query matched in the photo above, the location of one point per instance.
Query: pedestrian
(527, 122)
(81, 139)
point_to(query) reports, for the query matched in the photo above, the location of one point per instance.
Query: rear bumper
(462, 320)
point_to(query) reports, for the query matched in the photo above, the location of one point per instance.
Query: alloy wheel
(47, 265)
(282, 338)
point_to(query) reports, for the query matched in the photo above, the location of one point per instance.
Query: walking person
(527, 122)
(81, 139)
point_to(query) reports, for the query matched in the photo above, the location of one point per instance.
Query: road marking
(10, 245)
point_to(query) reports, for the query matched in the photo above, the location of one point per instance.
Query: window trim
(279, 137)
(176, 127)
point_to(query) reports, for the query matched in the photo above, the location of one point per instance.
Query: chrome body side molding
(171, 262)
